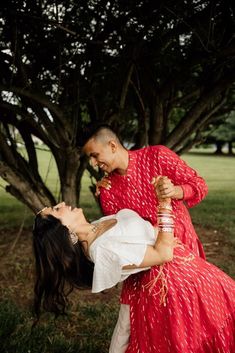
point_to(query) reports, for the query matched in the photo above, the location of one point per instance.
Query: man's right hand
(103, 183)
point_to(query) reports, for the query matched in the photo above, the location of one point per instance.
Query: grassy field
(91, 317)
(218, 208)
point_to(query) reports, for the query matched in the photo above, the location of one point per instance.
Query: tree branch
(186, 124)
(43, 100)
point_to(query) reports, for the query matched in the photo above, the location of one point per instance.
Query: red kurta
(135, 191)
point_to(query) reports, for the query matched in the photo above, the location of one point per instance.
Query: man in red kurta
(129, 176)
(128, 185)
(135, 191)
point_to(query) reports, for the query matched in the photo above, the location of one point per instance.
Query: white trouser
(121, 333)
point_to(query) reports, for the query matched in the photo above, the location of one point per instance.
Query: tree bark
(156, 123)
(21, 189)
(230, 148)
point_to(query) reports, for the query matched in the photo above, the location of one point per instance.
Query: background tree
(223, 134)
(159, 72)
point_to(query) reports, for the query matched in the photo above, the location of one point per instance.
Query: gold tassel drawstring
(164, 287)
(163, 278)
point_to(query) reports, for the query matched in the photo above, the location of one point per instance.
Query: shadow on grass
(89, 332)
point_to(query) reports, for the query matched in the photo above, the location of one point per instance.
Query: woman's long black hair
(60, 265)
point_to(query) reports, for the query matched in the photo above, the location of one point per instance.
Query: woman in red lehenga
(187, 307)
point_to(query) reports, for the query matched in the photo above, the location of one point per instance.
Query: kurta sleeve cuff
(188, 191)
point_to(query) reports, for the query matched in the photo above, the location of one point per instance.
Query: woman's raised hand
(164, 188)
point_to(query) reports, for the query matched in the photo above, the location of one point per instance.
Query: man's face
(101, 154)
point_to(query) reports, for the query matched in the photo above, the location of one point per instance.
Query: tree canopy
(158, 71)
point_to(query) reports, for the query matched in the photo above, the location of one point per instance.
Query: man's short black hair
(91, 130)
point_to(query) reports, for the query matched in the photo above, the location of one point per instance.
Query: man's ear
(113, 145)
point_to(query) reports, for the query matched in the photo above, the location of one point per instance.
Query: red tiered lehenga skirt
(184, 306)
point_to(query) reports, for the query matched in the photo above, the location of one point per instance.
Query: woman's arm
(159, 253)
(162, 250)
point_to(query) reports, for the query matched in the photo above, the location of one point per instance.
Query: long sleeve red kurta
(135, 191)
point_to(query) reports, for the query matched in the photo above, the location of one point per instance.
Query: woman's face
(70, 217)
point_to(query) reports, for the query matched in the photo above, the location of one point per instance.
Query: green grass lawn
(87, 332)
(217, 210)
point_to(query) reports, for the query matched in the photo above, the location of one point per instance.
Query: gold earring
(73, 237)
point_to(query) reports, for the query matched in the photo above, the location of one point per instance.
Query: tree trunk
(230, 148)
(156, 123)
(219, 145)
(68, 163)
(22, 189)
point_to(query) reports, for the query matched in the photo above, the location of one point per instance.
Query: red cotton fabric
(135, 191)
(199, 311)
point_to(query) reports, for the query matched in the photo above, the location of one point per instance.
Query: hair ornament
(40, 211)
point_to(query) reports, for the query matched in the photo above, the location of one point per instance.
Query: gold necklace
(102, 227)
(98, 230)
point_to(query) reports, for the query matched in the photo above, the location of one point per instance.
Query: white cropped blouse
(124, 244)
